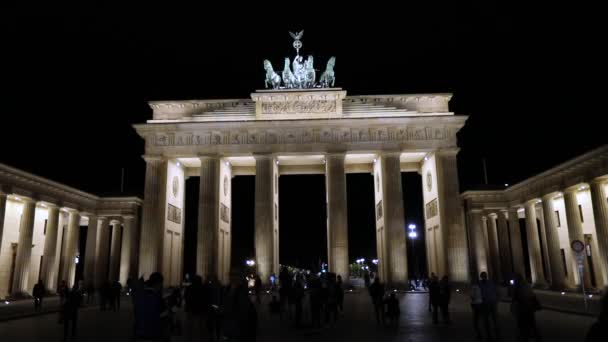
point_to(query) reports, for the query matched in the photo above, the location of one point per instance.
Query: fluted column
(264, 243)
(558, 276)
(600, 215)
(24, 249)
(71, 247)
(208, 217)
(2, 214)
(128, 237)
(102, 251)
(394, 218)
(91, 251)
(337, 220)
(517, 250)
(504, 251)
(115, 250)
(452, 216)
(534, 251)
(477, 239)
(496, 274)
(575, 228)
(48, 273)
(150, 247)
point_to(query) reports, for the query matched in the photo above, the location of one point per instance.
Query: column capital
(575, 188)
(484, 218)
(263, 156)
(493, 215)
(532, 202)
(115, 222)
(595, 181)
(102, 218)
(153, 157)
(128, 217)
(550, 196)
(503, 212)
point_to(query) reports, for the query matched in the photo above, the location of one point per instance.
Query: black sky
(75, 79)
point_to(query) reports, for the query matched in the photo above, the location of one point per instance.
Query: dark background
(74, 79)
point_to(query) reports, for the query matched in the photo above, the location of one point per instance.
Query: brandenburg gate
(301, 131)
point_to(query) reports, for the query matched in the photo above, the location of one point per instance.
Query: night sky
(74, 80)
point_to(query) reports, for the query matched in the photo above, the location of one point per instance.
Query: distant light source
(77, 259)
(426, 158)
(250, 262)
(563, 293)
(413, 234)
(178, 163)
(590, 296)
(506, 184)
(512, 282)
(7, 302)
(412, 226)
(277, 162)
(395, 290)
(457, 290)
(375, 261)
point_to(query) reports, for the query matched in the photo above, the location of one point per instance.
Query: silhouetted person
(257, 287)
(444, 299)
(213, 298)
(236, 309)
(105, 294)
(90, 293)
(392, 309)
(151, 311)
(524, 305)
(115, 295)
(599, 330)
(314, 287)
(62, 291)
(376, 291)
(476, 307)
(434, 297)
(489, 294)
(38, 294)
(285, 283)
(340, 294)
(366, 279)
(70, 309)
(331, 306)
(297, 297)
(195, 307)
(429, 282)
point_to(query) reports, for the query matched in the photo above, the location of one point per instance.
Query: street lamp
(413, 235)
(250, 262)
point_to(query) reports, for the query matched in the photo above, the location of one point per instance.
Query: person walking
(315, 301)
(376, 291)
(599, 329)
(151, 311)
(70, 310)
(194, 309)
(434, 297)
(340, 294)
(445, 295)
(476, 307)
(257, 287)
(524, 305)
(38, 294)
(429, 282)
(489, 294)
(115, 296)
(393, 312)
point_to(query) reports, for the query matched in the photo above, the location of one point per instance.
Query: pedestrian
(429, 282)
(298, 296)
(90, 293)
(257, 288)
(70, 309)
(366, 279)
(376, 291)
(340, 294)
(151, 311)
(38, 294)
(599, 329)
(105, 294)
(489, 294)
(115, 295)
(213, 297)
(236, 310)
(444, 299)
(62, 291)
(434, 297)
(315, 301)
(194, 308)
(331, 302)
(524, 305)
(476, 307)
(392, 309)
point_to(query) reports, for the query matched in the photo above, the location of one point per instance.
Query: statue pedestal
(290, 104)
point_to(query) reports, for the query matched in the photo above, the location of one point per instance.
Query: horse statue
(271, 77)
(328, 77)
(310, 73)
(289, 80)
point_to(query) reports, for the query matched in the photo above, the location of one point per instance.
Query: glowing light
(412, 234)
(375, 261)
(351, 290)
(563, 293)
(395, 290)
(426, 158)
(269, 291)
(277, 162)
(512, 282)
(7, 302)
(250, 262)
(412, 226)
(375, 160)
(178, 163)
(590, 296)
(506, 184)
(457, 290)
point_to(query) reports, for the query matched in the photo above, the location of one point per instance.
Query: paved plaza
(357, 324)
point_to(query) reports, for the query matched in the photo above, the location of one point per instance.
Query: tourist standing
(489, 294)
(194, 308)
(38, 293)
(524, 305)
(434, 297)
(151, 312)
(70, 309)
(340, 294)
(476, 307)
(257, 287)
(445, 295)
(376, 291)
(115, 296)
(393, 312)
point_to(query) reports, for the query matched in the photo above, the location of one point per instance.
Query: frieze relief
(304, 136)
(296, 107)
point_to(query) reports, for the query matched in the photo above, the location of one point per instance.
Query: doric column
(600, 215)
(91, 251)
(558, 276)
(502, 230)
(150, 247)
(517, 250)
(24, 249)
(2, 214)
(128, 238)
(496, 274)
(534, 251)
(337, 220)
(575, 227)
(48, 273)
(115, 250)
(264, 226)
(71, 247)
(477, 239)
(102, 251)
(208, 217)
(394, 218)
(452, 216)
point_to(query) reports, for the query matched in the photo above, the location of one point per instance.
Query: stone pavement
(357, 324)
